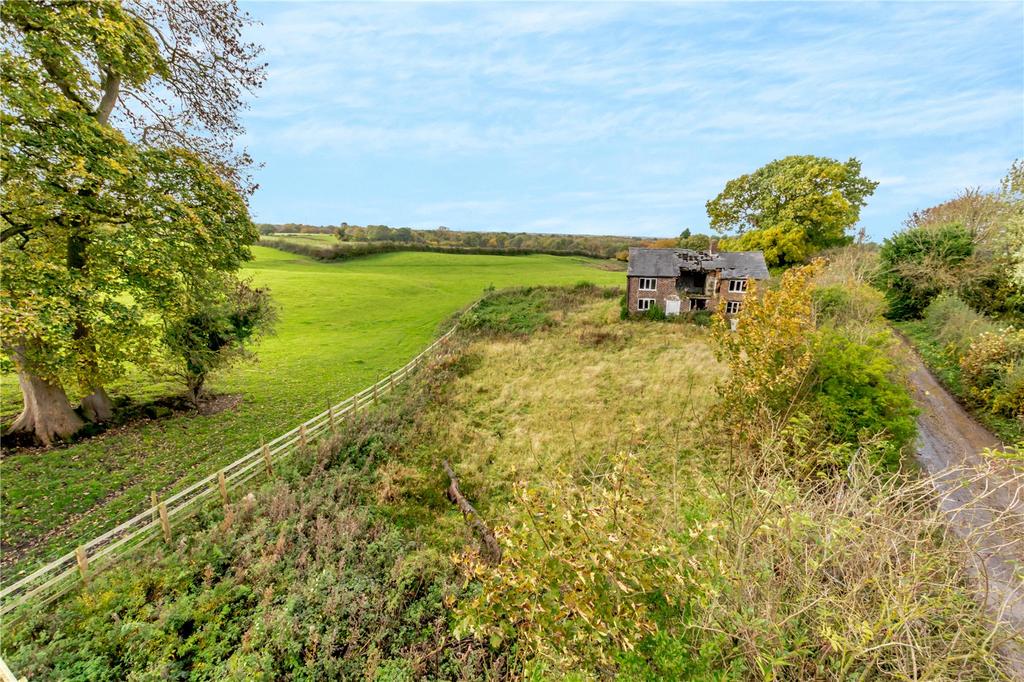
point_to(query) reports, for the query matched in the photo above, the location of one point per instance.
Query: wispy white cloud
(620, 99)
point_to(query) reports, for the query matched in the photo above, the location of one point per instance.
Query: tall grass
(954, 324)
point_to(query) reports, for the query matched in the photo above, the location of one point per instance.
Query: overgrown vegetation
(949, 280)
(311, 578)
(642, 538)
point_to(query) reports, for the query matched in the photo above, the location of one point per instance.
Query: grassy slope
(342, 325)
(521, 409)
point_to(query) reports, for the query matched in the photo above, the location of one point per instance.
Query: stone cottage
(681, 280)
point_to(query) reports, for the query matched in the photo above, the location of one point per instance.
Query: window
(644, 304)
(648, 284)
(737, 286)
(698, 304)
(732, 307)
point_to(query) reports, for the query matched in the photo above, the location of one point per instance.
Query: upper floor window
(737, 286)
(732, 307)
(648, 284)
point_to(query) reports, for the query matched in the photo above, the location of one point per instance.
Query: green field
(341, 326)
(323, 240)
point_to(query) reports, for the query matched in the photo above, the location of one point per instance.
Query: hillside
(342, 325)
(637, 543)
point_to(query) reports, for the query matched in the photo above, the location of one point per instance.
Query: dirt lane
(983, 499)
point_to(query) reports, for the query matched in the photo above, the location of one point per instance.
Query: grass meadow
(342, 325)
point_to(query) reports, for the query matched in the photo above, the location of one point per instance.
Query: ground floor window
(644, 303)
(698, 303)
(732, 307)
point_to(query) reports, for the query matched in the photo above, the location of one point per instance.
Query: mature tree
(121, 188)
(791, 208)
(694, 242)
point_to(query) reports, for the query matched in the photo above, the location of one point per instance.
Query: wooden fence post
(83, 563)
(391, 382)
(355, 406)
(330, 418)
(303, 440)
(375, 389)
(266, 460)
(165, 522)
(223, 485)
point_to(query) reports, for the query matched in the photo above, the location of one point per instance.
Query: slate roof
(670, 262)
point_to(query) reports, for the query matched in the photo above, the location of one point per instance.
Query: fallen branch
(492, 550)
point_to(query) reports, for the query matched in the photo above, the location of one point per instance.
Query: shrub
(701, 318)
(954, 324)
(654, 313)
(215, 331)
(769, 354)
(992, 372)
(522, 311)
(852, 305)
(916, 265)
(856, 395)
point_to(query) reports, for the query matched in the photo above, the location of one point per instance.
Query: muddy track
(986, 510)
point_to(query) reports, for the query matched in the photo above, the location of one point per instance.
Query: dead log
(492, 550)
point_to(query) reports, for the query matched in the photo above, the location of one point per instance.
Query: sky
(608, 118)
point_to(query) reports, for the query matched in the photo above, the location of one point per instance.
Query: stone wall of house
(666, 286)
(723, 294)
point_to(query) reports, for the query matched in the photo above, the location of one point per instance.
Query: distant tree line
(345, 251)
(456, 241)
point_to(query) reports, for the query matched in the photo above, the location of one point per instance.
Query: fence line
(60, 576)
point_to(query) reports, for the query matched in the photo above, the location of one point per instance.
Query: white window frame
(650, 282)
(737, 286)
(644, 304)
(732, 307)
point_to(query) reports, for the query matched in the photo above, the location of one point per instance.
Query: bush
(701, 318)
(852, 305)
(916, 265)
(954, 324)
(215, 331)
(829, 393)
(856, 396)
(992, 372)
(521, 311)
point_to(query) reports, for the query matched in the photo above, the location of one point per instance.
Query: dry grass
(853, 577)
(573, 394)
(856, 577)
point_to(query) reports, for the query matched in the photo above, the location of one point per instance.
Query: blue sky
(621, 118)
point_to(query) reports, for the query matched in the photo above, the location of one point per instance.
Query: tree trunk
(97, 406)
(47, 414)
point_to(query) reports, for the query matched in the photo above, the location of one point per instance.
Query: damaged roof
(670, 262)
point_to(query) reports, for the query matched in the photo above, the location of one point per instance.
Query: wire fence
(64, 574)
